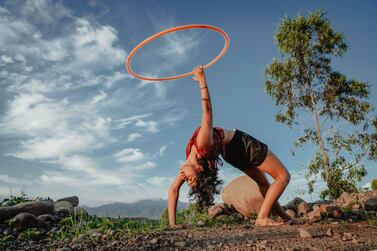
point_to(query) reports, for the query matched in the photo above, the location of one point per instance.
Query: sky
(74, 122)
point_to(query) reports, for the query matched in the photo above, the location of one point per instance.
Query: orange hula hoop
(173, 29)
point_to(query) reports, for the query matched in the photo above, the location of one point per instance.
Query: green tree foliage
(374, 184)
(331, 110)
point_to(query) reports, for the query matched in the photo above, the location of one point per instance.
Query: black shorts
(244, 151)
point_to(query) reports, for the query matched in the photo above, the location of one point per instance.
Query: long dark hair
(207, 185)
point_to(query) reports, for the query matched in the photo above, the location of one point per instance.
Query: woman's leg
(272, 166)
(260, 178)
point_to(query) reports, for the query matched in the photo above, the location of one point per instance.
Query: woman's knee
(285, 178)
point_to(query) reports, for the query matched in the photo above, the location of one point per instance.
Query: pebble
(63, 249)
(347, 236)
(329, 232)
(154, 241)
(304, 233)
(181, 244)
(201, 223)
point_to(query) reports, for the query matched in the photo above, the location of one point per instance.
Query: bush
(374, 184)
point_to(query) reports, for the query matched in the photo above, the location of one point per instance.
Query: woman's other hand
(199, 75)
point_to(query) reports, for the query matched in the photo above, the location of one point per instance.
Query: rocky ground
(317, 236)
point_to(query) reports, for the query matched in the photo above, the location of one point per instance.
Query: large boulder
(33, 207)
(371, 204)
(350, 199)
(74, 200)
(293, 204)
(64, 208)
(23, 221)
(243, 194)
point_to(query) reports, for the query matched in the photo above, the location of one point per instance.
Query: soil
(356, 236)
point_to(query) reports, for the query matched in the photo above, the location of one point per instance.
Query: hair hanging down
(207, 183)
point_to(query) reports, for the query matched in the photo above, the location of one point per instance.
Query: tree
(304, 83)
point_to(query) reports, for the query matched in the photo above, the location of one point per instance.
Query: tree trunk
(324, 154)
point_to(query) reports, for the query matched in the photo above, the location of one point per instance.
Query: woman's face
(188, 173)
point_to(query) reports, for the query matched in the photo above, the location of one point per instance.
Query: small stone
(304, 234)
(329, 232)
(201, 223)
(303, 209)
(63, 249)
(291, 213)
(355, 241)
(154, 241)
(347, 236)
(215, 211)
(181, 244)
(356, 206)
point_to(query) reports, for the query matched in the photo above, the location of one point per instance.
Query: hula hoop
(177, 28)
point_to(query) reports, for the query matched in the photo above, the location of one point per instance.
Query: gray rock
(74, 200)
(44, 219)
(154, 241)
(24, 220)
(33, 207)
(293, 204)
(64, 208)
(371, 204)
(201, 223)
(63, 249)
(181, 244)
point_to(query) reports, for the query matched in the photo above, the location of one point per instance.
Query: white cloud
(129, 155)
(150, 126)
(159, 180)
(6, 59)
(133, 136)
(162, 150)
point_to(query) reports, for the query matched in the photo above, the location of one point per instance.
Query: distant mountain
(144, 208)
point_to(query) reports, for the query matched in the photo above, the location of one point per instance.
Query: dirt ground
(356, 236)
(344, 237)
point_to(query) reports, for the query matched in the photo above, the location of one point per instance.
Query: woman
(237, 148)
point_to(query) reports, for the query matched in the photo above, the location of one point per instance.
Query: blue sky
(73, 121)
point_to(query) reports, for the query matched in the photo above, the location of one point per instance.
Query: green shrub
(374, 184)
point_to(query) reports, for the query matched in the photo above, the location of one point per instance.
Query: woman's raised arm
(205, 135)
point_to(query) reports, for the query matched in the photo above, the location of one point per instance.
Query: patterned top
(212, 153)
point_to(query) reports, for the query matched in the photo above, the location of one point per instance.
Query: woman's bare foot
(267, 222)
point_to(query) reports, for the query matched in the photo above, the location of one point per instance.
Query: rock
(293, 204)
(243, 194)
(43, 219)
(315, 207)
(64, 208)
(356, 206)
(181, 244)
(33, 207)
(74, 200)
(331, 210)
(291, 213)
(347, 236)
(24, 221)
(63, 249)
(348, 199)
(304, 234)
(154, 241)
(371, 204)
(303, 209)
(329, 232)
(314, 216)
(215, 211)
(201, 223)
